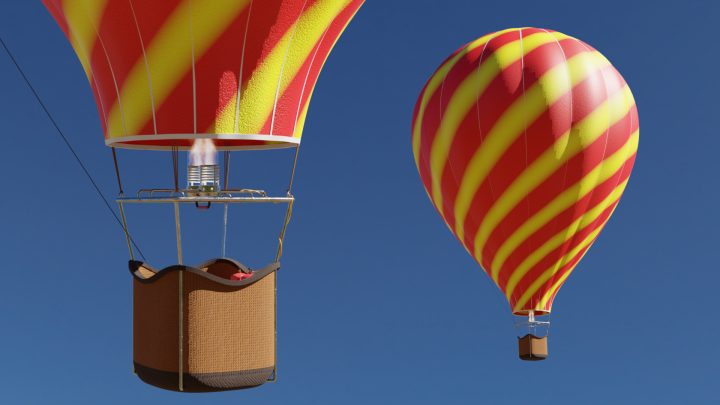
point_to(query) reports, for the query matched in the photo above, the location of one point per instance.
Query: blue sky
(378, 303)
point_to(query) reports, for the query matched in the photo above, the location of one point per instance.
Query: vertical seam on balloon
(92, 73)
(525, 126)
(112, 73)
(147, 67)
(559, 167)
(618, 159)
(307, 76)
(553, 278)
(572, 113)
(427, 93)
(242, 67)
(282, 68)
(477, 110)
(552, 292)
(192, 56)
(597, 211)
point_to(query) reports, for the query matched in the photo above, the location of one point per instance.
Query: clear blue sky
(378, 303)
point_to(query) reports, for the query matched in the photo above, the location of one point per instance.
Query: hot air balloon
(524, 140)
(203, 76)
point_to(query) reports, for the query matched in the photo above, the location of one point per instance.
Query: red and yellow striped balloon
(524, 140)
(240, 72)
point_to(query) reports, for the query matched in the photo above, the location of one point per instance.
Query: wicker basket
(218, 335)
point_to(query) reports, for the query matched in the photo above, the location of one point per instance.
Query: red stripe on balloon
(541, 135)
(561, 221)
(217, 71)
(572, 171)
(294, 99)
(465, 66)
(536, 298)
(119, 20)
(624, 175)
(55, 7)
(575, 169)
(175, 115)
(497, 98)
(551, 258)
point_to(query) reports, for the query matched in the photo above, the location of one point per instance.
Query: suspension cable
(288, 212)
(294, 166)
(226, 174)
(175, 167)
(226, 169)
(66, 141)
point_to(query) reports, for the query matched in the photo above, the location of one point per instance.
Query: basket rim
(134, 267)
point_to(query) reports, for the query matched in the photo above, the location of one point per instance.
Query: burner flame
(203, 152)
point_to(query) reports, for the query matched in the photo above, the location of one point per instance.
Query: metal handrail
(206, 199)
(235, 195)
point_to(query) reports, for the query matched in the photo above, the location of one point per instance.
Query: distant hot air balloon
(524, 140)
(203, 76)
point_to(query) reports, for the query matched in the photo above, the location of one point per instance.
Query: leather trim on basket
(204, 382)
(258, 275)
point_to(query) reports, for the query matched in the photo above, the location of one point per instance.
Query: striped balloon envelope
(239, 72)
(524, 140)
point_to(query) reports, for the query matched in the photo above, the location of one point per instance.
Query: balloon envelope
(167, 72)
(524, 140)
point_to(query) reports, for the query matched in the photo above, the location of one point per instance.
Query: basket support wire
(178, 239)
(281, 238)
(226, 170)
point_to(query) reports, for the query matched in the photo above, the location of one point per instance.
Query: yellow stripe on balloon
(587, 241)
(559, 239)
(579, 190)
(300, 123)
(82, 17)
(537, 221)
(437, 79)
(549, 88)
(467, 95)
(581, 135)
(258, 97)
(169, 58)
(300, 120)
(556, 285)
(568, 257)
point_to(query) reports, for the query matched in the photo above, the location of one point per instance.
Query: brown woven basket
(218, 335)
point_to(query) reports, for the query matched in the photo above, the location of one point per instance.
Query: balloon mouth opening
(185, 142)
(526, 312)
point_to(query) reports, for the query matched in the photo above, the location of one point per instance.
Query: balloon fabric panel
(164, 73)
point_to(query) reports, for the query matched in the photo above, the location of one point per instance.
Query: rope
(288, 213)
(117, 170)
(292, 174)
(67, 142)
